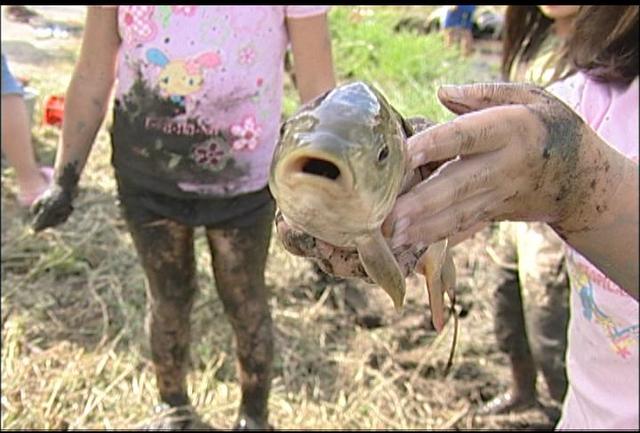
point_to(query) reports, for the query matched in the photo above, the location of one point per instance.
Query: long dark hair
(603, 41)
(525, 28)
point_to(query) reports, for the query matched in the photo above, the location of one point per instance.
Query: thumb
(462, 99)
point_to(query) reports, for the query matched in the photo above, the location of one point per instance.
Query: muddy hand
(333, 260)
(505, 131)
(53, 208)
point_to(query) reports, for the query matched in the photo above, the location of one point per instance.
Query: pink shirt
(221, 67)
(602, 354)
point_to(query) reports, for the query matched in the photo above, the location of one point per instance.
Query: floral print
(247, 56)
(246, 134)
(210, 154)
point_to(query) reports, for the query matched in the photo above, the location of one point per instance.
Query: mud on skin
(239, 259)
(56, 205)
(336, 261)
(569, 180)
(167, 255)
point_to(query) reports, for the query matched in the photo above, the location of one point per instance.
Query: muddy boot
(522, 395)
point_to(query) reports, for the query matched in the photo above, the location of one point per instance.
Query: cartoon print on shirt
(621, 338)
(137, 24)
(180, 78)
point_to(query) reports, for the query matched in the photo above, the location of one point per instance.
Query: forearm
(607, 234)
(88, 94)
(86, 102)
(312, 56)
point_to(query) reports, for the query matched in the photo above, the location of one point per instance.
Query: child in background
(17, 147)
(196, 119)
(457, 25)
(524, 155)
(531, 300)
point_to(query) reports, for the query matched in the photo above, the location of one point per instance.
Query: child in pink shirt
(195, 123)
(602, 355)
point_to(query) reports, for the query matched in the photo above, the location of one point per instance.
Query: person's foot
(506, 403)
(31, 190)
(175, 418)
(248, 423)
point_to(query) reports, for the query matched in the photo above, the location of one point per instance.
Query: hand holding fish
(518, 153)
(339, 167)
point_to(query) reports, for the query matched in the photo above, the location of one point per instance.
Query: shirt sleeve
(305, 11)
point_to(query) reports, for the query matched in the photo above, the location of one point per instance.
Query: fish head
(340, 164)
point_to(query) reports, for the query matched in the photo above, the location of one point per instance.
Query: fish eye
(383, 153)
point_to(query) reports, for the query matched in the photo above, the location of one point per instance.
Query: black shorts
(140, 205)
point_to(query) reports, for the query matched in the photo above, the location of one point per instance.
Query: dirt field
(74, 352)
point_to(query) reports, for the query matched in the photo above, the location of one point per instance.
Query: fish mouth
(315, 170)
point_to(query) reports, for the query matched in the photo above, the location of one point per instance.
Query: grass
(405, 66)
(74, 351)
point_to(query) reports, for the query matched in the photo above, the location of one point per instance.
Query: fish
(339, 165)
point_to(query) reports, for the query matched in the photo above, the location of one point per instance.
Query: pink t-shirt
(199, 95)
(602, 354)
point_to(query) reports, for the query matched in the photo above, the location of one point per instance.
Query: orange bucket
(53, 110)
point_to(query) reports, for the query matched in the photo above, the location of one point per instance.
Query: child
(578, 174)
(32, 180)
(196, 119)
(531, 299)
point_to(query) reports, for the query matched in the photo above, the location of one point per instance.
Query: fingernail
(399, 240)
(417, 159)
(399, 236)
(400, 225)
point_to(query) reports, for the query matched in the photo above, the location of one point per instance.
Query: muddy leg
(510, 326)
(166, 252)
(239, 257)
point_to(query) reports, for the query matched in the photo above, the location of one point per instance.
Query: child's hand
(516, 153)
(333, 260)
(52, 208)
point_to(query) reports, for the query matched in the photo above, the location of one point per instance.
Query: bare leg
(17, 146)
(166, 252)
(239, 257)
(466, 42)
(510, 326)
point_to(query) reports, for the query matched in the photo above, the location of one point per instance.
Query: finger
(466, 234)
(473, 97)
(419, 232)
(472, 133)
(453, 182)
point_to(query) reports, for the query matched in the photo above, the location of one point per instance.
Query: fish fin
(449, 277)
(432, 263)
(381, 266)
